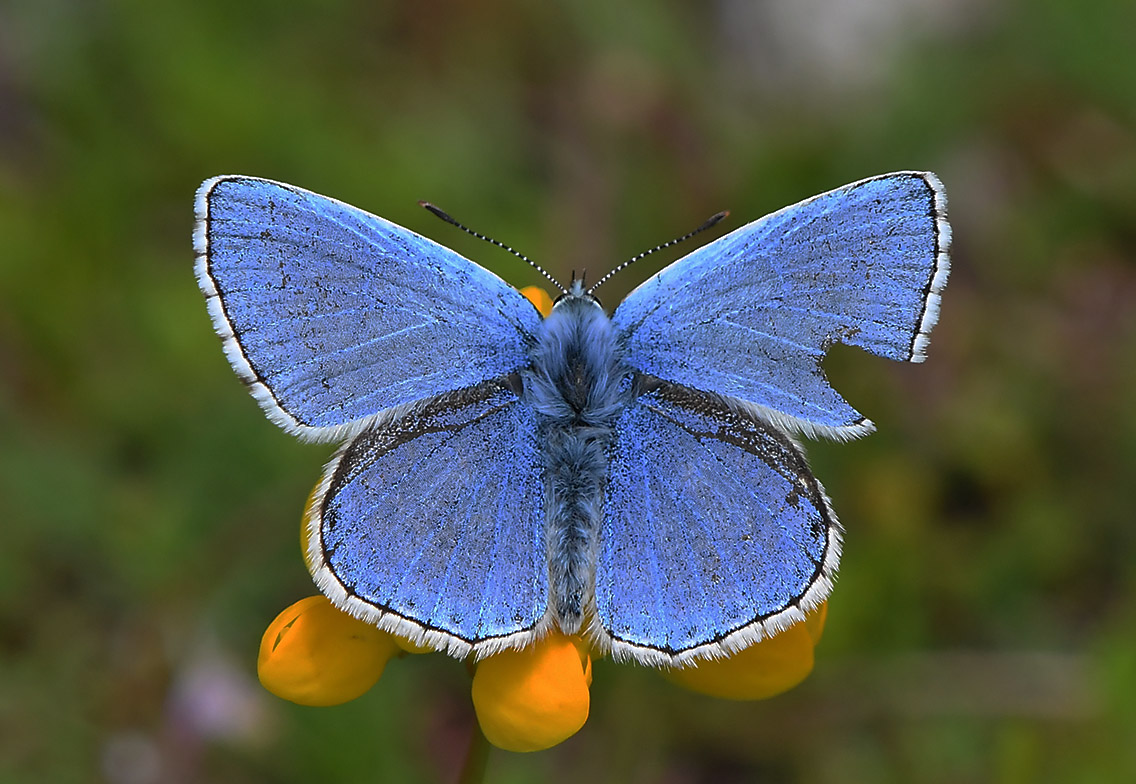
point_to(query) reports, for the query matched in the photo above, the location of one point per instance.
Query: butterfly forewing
(715, 532)
(333, 315)
(752, 314)
(432, 525)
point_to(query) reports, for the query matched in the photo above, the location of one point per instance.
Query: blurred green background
(984, 625)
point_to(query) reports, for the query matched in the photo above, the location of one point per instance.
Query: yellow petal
(316, 654)
(409, 646)
(765, 669)
(814, 621)
(532, 699)
(539, 297)
(304, 529)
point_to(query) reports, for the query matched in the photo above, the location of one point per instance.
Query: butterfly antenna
(708, 224)
(444, 216)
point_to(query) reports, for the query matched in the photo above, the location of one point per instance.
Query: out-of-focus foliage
(984, 626)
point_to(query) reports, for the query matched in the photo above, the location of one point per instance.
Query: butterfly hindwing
(715, 532)
(432, 525)
(333, 315)
(751, 315)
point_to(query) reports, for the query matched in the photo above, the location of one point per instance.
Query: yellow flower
(764, 669)
(539, 297)
(316, 654)
(304, 529)
(535, 698)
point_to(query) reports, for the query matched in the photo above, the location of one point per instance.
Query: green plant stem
(476, 758)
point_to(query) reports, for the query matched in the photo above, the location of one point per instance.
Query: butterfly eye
(581, 294)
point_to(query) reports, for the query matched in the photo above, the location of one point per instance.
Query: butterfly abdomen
(575, 385)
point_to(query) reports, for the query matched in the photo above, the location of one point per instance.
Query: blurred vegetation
(984, 626)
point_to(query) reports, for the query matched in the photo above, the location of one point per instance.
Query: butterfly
(634, 478)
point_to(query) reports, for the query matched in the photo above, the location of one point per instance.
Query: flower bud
(316, 654)
(539, 297)
(535, 698)
(765, 669)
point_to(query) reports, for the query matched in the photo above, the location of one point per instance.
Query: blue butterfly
(634, 478)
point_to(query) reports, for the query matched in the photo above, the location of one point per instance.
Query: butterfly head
(577, 293)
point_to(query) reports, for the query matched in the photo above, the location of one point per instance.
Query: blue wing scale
(715, 532)
(751, 315)
(333, 315)
(432, 525)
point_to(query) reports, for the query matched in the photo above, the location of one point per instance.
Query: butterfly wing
(332, 315)
(752, 314)
(715, 532)
(432, 525)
